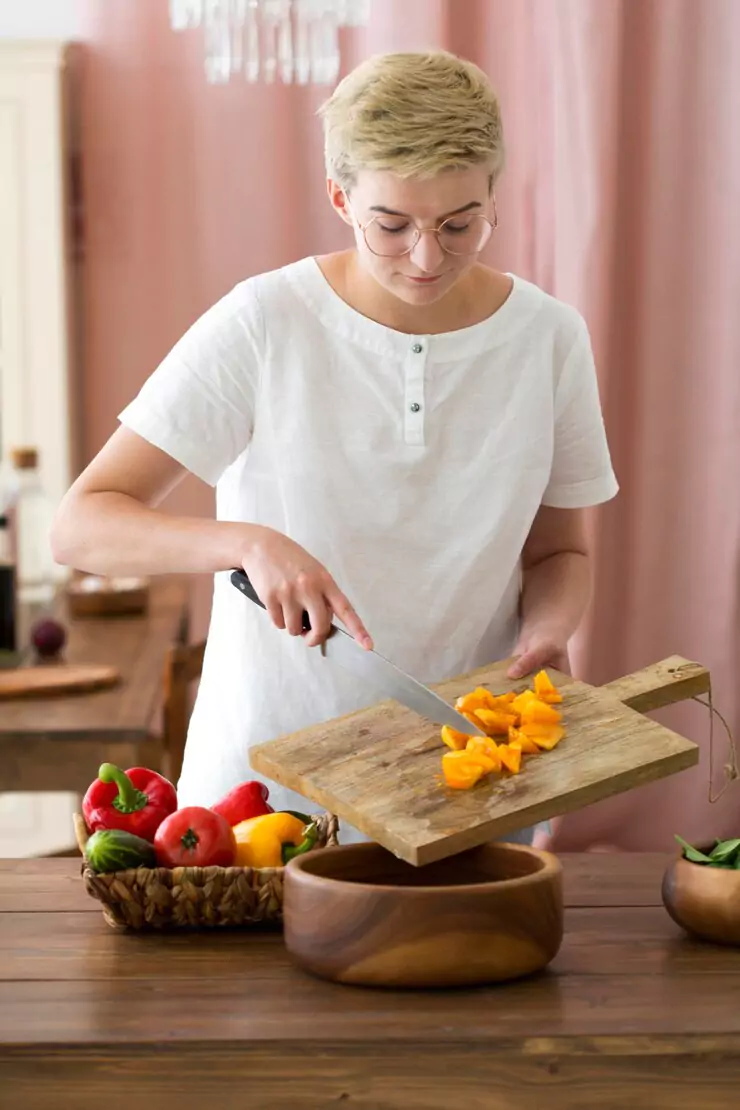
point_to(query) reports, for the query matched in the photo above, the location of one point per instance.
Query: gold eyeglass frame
(435, 231)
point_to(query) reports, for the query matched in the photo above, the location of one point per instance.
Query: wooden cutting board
(53, 679)
(380, 769)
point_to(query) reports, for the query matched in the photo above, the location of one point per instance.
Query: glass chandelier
(291, 40)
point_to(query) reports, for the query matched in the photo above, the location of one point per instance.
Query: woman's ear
(339, 201)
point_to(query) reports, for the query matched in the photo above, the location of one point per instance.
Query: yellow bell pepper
(496, 723)
(511, 758)
(539, 713)
(545, 690)
(454, 739)
(272, 840)
(485, 752)
(461, 769)
(525, 743)
(480, 698)
(546, 737)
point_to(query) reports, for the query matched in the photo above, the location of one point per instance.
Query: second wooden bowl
(356, 914)
(703, 900)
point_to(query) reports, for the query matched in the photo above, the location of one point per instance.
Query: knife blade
(373, 667)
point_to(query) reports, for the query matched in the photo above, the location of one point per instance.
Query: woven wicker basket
(192, 897)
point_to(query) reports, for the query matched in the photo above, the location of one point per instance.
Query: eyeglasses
(394, 236)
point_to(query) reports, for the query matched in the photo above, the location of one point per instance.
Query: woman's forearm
(555, 594)
(114, 534)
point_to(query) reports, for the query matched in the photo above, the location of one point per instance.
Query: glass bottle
(33, 519)
(8, 645)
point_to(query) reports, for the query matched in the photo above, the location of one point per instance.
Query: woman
(400, 438)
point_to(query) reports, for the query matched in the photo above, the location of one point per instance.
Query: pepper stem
(290, 851)
(128, 799)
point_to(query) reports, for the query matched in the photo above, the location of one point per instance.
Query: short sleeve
(581, 473)
(198, 405)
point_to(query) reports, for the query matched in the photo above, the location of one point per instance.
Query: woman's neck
(477, 295)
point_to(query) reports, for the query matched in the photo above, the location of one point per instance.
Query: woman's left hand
(538, 648)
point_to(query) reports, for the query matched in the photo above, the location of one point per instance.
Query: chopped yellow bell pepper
(538, 713)
(485, 751)
(519, 739)
(545, 690)
(454, 739)
(528, 720)
(495, 722)
(511, 758)
(461, 770)
(480, 698)
(522, 700)
(545, 737)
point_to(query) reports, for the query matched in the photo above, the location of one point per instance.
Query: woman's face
(392, 210)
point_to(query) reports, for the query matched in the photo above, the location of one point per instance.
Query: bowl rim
(551, 869)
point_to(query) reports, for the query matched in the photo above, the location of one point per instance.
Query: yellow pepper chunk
(485, 751)
(480, 698)
(537, 712)
(495, 722)
(454, 739)
(511, 758)
(461, 771)
(545, 690)
(545, 737)
(519, 739)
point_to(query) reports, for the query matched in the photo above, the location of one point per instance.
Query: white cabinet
(36, 385)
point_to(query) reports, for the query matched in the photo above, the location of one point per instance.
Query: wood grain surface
(380, 769)
(631, 1014)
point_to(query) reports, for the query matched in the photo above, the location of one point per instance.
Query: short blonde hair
(414, 114)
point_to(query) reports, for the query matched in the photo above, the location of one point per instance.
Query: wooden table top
(136, 646)
(630, 1005)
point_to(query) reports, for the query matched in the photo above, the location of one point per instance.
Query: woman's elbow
(66, 537)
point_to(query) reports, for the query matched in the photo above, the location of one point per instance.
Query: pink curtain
(621, 196)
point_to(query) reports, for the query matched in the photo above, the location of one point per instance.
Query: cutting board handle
(673, 679)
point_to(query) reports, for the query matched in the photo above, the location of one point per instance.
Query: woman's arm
(555, 590)
(109, 523)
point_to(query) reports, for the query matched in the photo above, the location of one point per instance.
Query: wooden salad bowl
(357, 914)
(705, 901)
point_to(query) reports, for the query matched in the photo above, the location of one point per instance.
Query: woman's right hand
(288, 581)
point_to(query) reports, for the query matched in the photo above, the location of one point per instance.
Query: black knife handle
(242, 583)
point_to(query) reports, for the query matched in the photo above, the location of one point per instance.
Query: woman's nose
(427, 254)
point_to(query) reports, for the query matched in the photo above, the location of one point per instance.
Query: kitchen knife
(375, 668)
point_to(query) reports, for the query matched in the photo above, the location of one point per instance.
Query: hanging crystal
(252, 48)
(290, 40)
(185, 14)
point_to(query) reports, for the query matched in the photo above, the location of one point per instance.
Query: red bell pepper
(249, 799)
(137, 800)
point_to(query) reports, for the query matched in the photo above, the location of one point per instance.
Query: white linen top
(411, 466)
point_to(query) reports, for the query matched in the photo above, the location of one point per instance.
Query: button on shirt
(412, 467)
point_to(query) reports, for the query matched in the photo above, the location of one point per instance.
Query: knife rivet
(415, 407)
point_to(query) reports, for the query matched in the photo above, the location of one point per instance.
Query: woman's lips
(424, 280)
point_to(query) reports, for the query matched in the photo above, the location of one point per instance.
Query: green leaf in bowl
(726, 852)
(693, 854)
